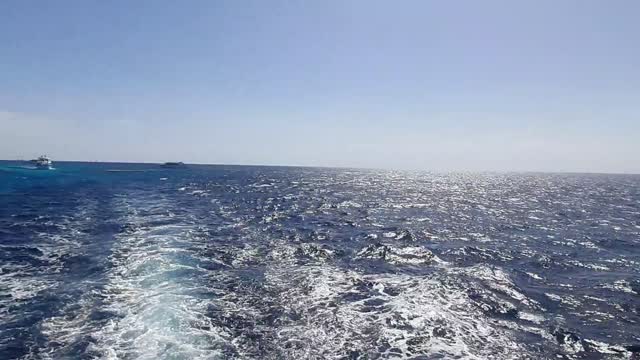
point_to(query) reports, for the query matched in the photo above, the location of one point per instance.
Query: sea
(135, 261)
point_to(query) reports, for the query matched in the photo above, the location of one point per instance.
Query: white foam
(413, 315)
(148, 296)
(534, 275)
(621, 286)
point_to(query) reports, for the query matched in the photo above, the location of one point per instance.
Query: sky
(436, 85)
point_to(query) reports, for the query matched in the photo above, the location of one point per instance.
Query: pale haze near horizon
(467, 85)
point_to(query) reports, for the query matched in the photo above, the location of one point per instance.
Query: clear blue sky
(437, 85)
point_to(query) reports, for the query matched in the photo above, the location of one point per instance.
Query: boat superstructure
(43, 162)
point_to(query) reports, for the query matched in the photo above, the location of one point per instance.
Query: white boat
(43, 162)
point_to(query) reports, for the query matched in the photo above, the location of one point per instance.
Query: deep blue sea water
(221, 262)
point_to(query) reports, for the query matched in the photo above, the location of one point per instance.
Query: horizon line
(350, 167)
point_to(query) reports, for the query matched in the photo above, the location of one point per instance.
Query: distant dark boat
(178, 164)
(126, 170)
